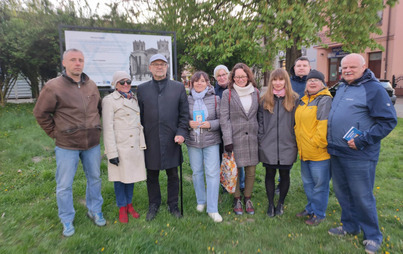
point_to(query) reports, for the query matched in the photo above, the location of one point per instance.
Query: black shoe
(173, 209)
(270, 211)
(152, 212)
(279, 209)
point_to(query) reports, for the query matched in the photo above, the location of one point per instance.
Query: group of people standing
(143, 134)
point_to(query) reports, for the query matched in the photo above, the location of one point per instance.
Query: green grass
(29, 221)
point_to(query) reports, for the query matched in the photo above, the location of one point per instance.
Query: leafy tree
(253, 31)
(8, 70)
(29, 37)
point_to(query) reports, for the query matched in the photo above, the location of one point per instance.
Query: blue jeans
(67, 162)
(353, 184)
(316, 177)
(209, 159)
(123, 193)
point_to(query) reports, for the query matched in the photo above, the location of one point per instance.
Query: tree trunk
(291, 55)
(5, 87)
(266, 77)
(34, 87)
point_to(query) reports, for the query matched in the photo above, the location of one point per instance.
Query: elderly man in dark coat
(164, 115)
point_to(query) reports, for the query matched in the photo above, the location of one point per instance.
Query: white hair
(360, 57)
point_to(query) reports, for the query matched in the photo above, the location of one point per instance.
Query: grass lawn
(29, 221)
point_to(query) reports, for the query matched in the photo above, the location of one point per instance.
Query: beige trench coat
(123, 138)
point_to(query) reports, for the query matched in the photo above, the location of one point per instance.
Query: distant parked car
(384, 82)
(389, 88)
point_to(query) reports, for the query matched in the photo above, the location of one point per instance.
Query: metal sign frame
(62, 28)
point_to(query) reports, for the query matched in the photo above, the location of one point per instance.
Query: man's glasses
(123, 82)
(159, 65)
(240, 77)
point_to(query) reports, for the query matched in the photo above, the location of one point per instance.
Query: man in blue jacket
(363, 103)
(299, 72)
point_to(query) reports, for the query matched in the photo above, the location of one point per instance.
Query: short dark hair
(302, 58)
(71, 50)
(198, 75)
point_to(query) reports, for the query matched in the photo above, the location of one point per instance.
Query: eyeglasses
(222, 75)
(240, 77)
(159, 65)
(123, 82)
(313, 80)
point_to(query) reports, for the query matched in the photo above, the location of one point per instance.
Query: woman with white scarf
(203, 143)
(239, 125)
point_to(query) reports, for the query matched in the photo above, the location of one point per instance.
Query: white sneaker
(200, 208)
(215, 216)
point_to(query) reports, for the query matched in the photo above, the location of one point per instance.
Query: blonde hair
(290, 95)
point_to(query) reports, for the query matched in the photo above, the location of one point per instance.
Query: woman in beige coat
(124, 143)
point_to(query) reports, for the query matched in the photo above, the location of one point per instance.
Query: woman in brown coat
(239, 125)
(124, 143)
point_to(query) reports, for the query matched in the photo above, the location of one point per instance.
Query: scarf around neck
(128, 95)
(280, 93)
(244, 91)
(199, 102)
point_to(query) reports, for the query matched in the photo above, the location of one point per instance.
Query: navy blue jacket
(298, 85)
(365, 105)
(219, 90)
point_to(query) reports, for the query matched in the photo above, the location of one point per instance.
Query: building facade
(386, 64)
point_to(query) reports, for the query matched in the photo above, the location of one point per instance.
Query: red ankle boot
(123, 214)
(133, 212)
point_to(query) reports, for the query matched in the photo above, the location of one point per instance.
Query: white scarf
(245, 96)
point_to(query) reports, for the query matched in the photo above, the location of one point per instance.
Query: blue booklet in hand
(198, 116)
(352, 133)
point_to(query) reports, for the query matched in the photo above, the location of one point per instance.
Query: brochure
(198, 116)
(352, 133)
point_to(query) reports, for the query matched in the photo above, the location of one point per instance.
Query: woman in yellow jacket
(311, 131)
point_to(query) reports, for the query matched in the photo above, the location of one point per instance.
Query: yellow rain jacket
(311, 126)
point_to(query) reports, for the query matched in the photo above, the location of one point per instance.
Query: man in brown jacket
(68, 110)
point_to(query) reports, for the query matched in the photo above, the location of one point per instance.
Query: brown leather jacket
(70, 112)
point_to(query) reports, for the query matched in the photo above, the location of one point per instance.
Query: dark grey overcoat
(239, 128)
(164, 114)
(277, 143)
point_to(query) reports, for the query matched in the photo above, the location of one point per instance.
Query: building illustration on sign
(140, 57)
